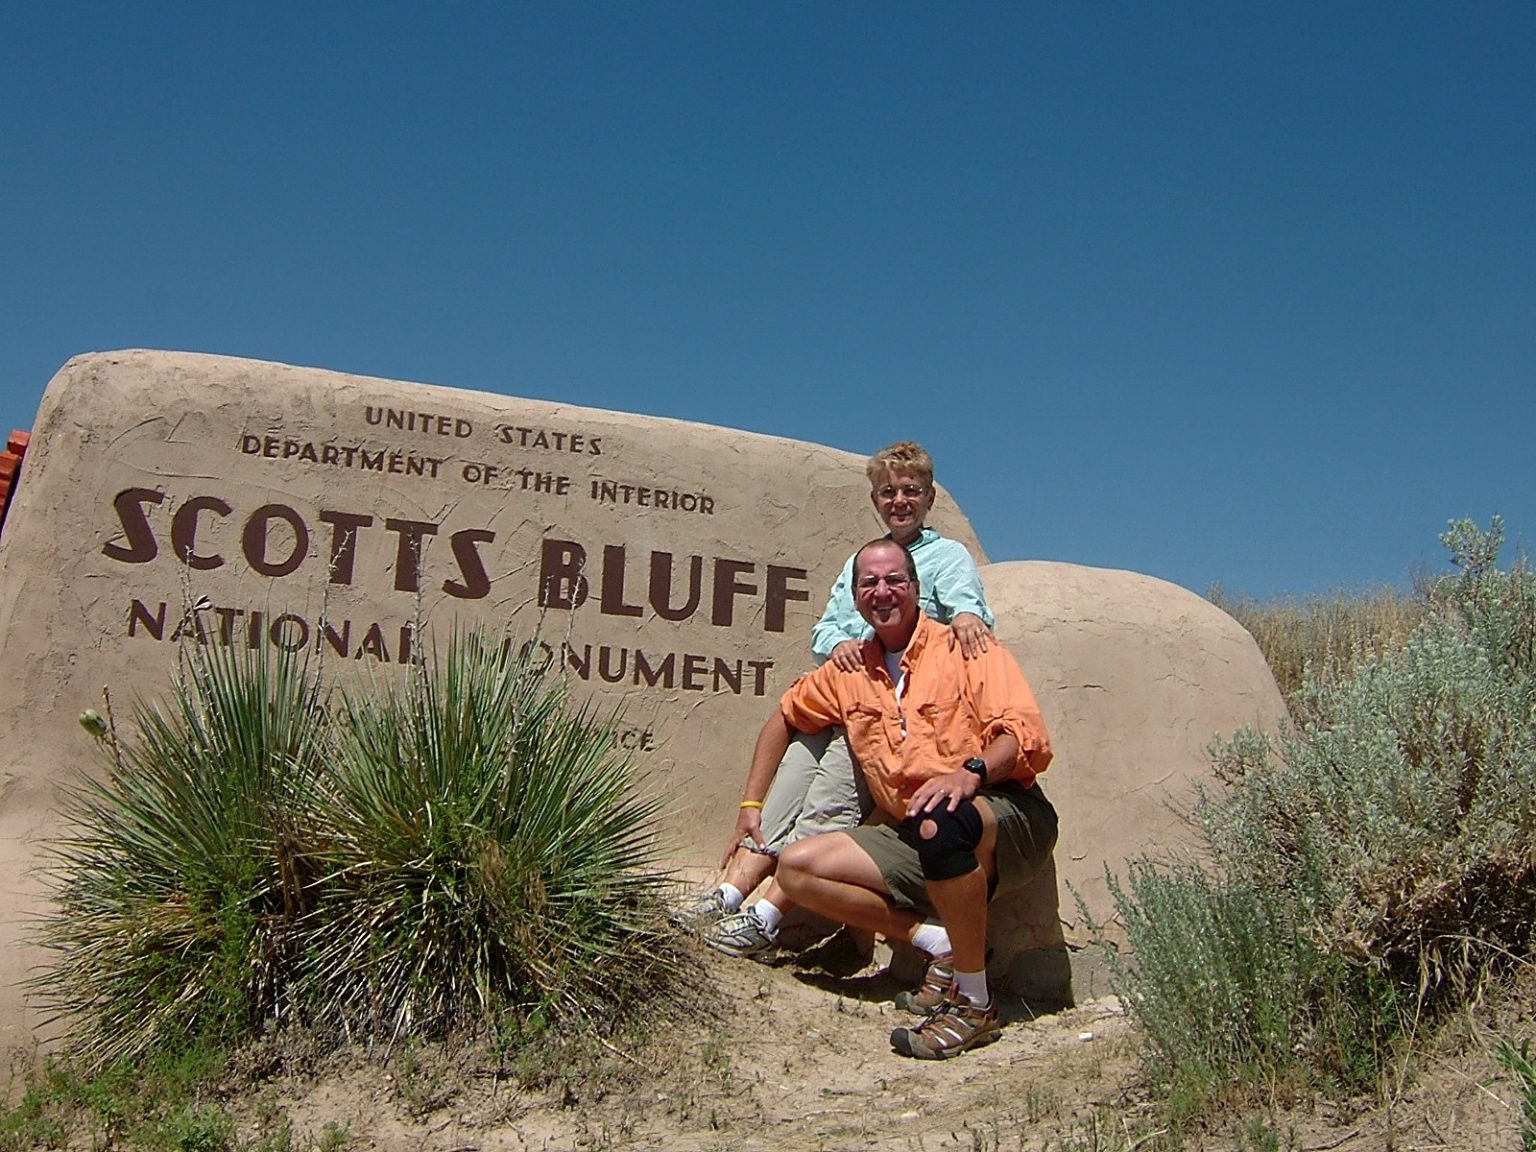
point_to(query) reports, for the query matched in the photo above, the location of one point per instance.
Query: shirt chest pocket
(948, 724)
(868, 726)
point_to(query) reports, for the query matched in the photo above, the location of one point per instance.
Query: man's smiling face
(885, 590)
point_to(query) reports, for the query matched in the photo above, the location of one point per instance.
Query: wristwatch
(977, 765)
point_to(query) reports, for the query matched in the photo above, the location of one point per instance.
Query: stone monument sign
(668, 569)
(671, 569)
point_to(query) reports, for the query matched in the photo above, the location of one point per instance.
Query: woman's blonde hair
(902, 456)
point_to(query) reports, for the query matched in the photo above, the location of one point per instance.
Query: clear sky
(1223, 293)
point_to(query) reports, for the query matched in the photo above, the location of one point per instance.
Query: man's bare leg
(961, 903)
(831, 875)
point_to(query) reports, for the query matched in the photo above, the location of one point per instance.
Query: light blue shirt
(948, 585)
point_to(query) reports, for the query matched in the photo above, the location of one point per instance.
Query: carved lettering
(547, 440)
(288, 631)
(563, 584)
(141, 547)
(408, 554)
(342, 455)
(152, 622)
(727, 588)
(229, 625)
(184, 531)
(641, 496)
(661, 586)
(613, 584)
(547, 482)
(344, 529)
(275, 542)
(561, 581)
(257, 538)
(427, 422)
(476, 582)
(780, 593)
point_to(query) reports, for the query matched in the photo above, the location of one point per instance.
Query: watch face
(977, 765)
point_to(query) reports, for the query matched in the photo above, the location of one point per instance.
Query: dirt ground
(791, 1057)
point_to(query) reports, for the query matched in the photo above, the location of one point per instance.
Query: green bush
(1229, 990)
(180, 882)
(1519, 1060)
(416, 858)
(1362, 872)
(147, 1101)
(485, 847)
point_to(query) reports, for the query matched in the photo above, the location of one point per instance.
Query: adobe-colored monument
(1136, 677)
(670, 569)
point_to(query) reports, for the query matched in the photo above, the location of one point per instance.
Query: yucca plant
(486, 850)
(181, 880)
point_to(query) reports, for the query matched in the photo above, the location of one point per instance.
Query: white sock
(973, 986)
(932, 938)
(733, 897)
(768, 912)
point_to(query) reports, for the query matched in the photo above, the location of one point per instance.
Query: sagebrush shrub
(1381, 851)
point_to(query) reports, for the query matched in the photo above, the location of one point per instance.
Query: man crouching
(951, 748)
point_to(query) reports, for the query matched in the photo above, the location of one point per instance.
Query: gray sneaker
(742, 934)
(703, 912)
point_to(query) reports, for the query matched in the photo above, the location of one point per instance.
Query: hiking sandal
(952, 1028)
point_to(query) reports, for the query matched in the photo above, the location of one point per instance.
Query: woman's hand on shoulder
(848, 656)
(970, 631)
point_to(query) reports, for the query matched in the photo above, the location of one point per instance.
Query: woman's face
(903, 501)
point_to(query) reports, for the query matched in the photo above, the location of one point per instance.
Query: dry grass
(1329, 634)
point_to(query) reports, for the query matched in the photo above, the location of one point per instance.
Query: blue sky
(1223, 293)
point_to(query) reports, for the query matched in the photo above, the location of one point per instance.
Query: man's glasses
(910, 491)
(896, 583)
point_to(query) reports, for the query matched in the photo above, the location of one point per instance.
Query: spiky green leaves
(416, 857)
(485, 846)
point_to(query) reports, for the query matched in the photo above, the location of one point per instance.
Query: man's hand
(848, 656)
(970, 631)
(749, 822)
(948, 789)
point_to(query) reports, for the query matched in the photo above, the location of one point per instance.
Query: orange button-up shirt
(950, 710)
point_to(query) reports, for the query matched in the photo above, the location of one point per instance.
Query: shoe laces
(745, 920)
(956, 1006)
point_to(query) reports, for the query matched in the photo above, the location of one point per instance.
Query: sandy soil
(793, 1058)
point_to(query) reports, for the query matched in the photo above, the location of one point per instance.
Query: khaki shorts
(1026, 833)
(816, 789)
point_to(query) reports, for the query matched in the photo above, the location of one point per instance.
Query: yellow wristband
(751, 804)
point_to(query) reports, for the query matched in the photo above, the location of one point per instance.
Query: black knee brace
(951, 850)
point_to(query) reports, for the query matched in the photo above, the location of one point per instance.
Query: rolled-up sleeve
(812, 703)
(1005, 703)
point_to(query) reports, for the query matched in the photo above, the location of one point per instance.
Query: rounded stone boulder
(1136, 678)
